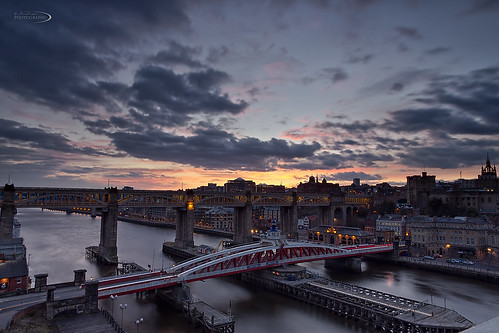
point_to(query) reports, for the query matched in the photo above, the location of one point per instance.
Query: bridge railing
(252, 258)
(189, 262)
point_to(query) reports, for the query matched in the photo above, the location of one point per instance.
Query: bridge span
(109, 201)
(236, 260)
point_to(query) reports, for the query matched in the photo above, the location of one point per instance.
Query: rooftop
(13, 268)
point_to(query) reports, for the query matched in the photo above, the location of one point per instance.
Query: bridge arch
(220, 200)
(150, 200)
(272, 200)
(312, 200)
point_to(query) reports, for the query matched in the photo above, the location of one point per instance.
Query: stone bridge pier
(289, 219)
(8, 210)
(326, 215)
(243, 218)
(109, 228)
(185, 223)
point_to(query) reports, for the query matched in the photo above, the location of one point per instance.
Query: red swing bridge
(264, 254)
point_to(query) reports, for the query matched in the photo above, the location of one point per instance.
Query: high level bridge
(108, 201)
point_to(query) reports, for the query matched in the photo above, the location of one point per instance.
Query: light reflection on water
(57, 241)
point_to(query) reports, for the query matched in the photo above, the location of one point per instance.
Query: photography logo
(32, 16)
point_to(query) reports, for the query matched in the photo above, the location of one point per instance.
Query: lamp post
(122, 307)
(489, 253)
(113, 298)
(138, 322)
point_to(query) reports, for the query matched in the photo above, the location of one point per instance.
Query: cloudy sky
(165, 94)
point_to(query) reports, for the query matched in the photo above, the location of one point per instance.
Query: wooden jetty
(213, 320)
(381, 310)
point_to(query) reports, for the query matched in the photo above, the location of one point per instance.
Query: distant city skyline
(165, 95)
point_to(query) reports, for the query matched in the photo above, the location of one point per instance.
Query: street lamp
(113, 298)
(489, 253)
(138, 322)
(122, 307)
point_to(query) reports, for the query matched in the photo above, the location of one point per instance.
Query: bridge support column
(243, 218)
(353, 265)
(185, 223)
(79, 276)
(41, 282)
(50, 302)
(326, 216)
(8, 212)
(92, 296)
(289, 219)
(109, 228)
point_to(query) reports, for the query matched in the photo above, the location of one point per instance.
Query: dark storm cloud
(452, 107)
(331, 74)
(334, 74)
(35, 137)
(437, 50)
(212, 148)
(482, 6)
(451, 156)
(386, 143)
(397, 87)
(168, 98)
(418, 120)
(473, 98)
(98, 127)
(27, 166)
(345, 176)
(16, 133)
(126, 124)
(364, 59)
(215, 55)
(408, 32)
(178, 54)
(342, 160)
(57, 63)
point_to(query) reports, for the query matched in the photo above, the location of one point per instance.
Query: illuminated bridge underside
(68, 198)
(233, 261)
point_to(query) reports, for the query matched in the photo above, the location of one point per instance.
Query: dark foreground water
(56, 245)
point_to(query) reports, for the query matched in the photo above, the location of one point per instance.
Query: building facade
(220, 218)
(240, 185)
(391, 222)
(462, 236)
(13, 276)
(340, 235)
(314, 186)
(419, 189)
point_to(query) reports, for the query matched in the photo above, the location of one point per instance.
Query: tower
(488, 177)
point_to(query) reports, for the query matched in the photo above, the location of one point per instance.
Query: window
(19, 280)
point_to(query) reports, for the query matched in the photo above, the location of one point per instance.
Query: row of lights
(123, 307)
(334, 231)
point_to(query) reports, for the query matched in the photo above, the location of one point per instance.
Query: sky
(177, 94)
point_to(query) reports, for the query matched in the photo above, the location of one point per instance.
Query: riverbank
(169, 225)
(488, 273)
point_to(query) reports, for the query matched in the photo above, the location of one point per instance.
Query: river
(55, 243)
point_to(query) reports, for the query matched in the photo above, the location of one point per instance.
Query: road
(9, 306)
